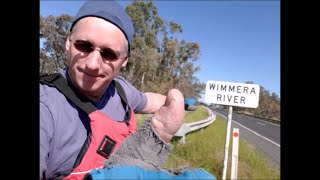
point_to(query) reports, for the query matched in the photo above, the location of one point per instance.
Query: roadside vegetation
(205, 149)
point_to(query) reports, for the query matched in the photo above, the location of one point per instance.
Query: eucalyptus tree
(160, 61)
(53, 33)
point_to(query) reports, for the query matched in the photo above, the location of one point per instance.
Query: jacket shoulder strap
(58, 81)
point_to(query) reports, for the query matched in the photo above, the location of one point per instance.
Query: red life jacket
(106, 134)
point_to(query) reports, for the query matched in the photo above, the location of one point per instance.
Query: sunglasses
(87, 47)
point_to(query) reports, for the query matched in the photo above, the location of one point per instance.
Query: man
(87, 111)
(97, 48)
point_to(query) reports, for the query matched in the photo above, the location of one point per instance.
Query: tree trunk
(142, 81)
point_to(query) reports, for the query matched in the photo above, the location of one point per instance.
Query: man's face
(89, 69)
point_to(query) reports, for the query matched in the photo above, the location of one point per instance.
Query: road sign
(232, 94)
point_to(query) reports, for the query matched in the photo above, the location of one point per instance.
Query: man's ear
(67, 44)
(124, 64)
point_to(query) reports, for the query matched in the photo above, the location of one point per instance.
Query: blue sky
(239, 40)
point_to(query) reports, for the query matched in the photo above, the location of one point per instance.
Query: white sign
(232, 94)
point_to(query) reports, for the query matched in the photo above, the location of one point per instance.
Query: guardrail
(190, 127)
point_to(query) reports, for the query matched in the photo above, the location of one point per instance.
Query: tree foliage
(53, 30)
(159, 60)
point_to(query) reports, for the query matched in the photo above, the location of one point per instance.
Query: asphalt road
(265, 136)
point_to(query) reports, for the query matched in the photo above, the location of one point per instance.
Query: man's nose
(94, 60)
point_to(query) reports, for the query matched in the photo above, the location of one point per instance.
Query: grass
(205, 149)
(191, 116)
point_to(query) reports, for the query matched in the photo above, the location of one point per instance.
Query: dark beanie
(110, 11)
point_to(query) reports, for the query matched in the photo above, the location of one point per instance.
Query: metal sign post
(226, 147)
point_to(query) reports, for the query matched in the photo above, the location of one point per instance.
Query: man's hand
(169, 118)
(149, 146)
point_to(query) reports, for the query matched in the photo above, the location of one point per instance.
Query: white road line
(261, 123)
(251, 131)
